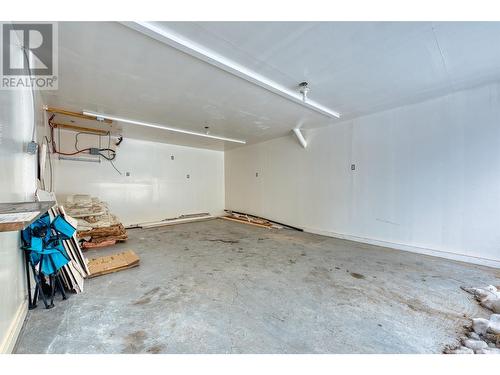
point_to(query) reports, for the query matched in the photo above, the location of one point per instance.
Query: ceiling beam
(177, 41)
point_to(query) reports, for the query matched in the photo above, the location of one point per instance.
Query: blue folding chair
(45, 254)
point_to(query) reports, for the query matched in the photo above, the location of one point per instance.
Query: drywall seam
(412, 249)
(10, 338)
(177, 41)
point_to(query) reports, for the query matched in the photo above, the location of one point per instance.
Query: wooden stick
(79, 128)
(73, 114)
(246, 222)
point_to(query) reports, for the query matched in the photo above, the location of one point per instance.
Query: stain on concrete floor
(260, 291)
(357, 275)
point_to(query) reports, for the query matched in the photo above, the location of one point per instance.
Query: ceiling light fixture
(158, 126)
(304, 90)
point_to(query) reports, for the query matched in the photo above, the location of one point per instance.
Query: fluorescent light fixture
(181, 43)
(158, 126)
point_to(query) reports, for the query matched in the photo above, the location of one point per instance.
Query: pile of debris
(96, 226)
(252, 220)
(483, 336)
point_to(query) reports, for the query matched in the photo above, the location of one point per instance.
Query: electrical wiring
(32, 94)
(107, 157)
(54, 148)
(113, 165)
(50, 162)
(111, 153)
(109, 142)
(78, 134)
(107, 153)
(55, 151)
(120, 139)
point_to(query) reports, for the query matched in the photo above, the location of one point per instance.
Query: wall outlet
(353, 167)
(256, 174)
(172, 157)
(187, 176)
(127, 174)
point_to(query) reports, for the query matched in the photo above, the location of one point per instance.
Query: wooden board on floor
(113, 263)
(245, 222)
(174, 222)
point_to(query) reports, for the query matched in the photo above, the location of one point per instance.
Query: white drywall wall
(427, 177)
(17, 184)
(157, 187)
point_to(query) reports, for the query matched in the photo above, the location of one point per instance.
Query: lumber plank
(73, 114)
(245, 222)
(79, 128)
(36, 209)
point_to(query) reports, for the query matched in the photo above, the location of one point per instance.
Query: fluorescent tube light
(157, 126)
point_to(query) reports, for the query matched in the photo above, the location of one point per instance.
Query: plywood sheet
(17, 216)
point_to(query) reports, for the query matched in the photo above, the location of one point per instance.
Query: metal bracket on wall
(300, 137)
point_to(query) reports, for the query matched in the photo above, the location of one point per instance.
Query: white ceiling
(355, 68)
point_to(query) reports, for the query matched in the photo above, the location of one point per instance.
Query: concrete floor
(223, 287)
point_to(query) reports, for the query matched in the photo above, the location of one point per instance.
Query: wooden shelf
(17, 216)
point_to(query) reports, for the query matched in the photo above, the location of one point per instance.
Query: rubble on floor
(96, 225)
(252, 220)
(100, 237)
(483, 336)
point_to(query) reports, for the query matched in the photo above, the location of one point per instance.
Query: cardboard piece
(113, 263)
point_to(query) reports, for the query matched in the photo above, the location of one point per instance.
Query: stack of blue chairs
(45, 255)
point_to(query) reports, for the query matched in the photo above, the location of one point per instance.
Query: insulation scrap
(484, 334)
(114, 230)
(95, 245)
(96, 226)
